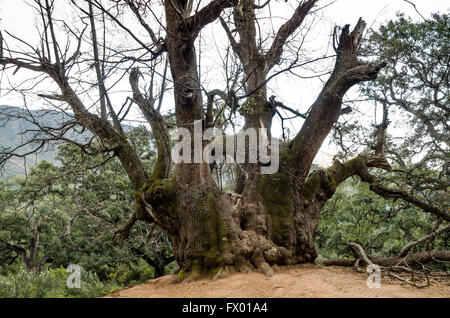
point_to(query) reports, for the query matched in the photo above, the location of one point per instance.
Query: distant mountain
(14, 132)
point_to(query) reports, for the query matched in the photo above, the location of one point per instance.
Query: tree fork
(273, 221)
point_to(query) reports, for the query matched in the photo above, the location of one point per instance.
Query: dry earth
(298, 281)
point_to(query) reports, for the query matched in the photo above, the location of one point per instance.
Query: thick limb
(325, 111)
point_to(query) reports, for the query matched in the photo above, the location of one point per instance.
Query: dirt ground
(298, 281)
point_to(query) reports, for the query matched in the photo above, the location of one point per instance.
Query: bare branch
(286, 30)
(208, 14)
(426, 238)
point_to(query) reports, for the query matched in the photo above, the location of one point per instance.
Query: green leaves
(72, 209)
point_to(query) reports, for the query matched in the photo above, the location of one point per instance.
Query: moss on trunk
(274, 191)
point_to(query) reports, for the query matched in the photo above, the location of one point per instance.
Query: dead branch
(426, 238)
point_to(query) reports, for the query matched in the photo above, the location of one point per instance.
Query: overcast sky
(16, 14)
(18, 18)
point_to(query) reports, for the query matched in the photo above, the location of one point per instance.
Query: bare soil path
(296, 281)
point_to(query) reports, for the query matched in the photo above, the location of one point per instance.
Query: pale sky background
(18, 18)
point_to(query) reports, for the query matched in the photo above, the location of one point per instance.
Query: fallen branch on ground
(401, 263)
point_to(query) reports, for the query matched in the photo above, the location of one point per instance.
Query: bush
(50, 283)
(124, 275)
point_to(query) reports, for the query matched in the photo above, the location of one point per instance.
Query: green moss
(312, 185)
(159, 169)
(341, 171)
(198, 270)
(274, 191)
(326, 181)
(319, 182)
(209, 211)
(139, 205)
(215, 270)
(161, 193)
(255, 105)
(182, 274)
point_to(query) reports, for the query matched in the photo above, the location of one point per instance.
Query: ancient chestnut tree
(269, 219)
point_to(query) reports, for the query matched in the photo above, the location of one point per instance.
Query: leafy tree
(75, 209)
(34, 217)
(415, 89)
(355, 214)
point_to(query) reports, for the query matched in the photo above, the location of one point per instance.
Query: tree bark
(418, 258)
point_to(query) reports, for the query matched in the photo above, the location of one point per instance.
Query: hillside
(295, 281)
(14, 132)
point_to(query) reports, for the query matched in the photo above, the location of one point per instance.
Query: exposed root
(224, 272)
(413, 282)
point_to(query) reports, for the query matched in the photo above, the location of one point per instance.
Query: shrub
(50, 283)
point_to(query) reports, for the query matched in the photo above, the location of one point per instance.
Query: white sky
(18, 18)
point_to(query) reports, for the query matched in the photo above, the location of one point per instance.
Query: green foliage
(382, 227)
(414, 91)
(274, 192)
(72, 211)
(50, 283)
(415, 80)
(124, 276)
